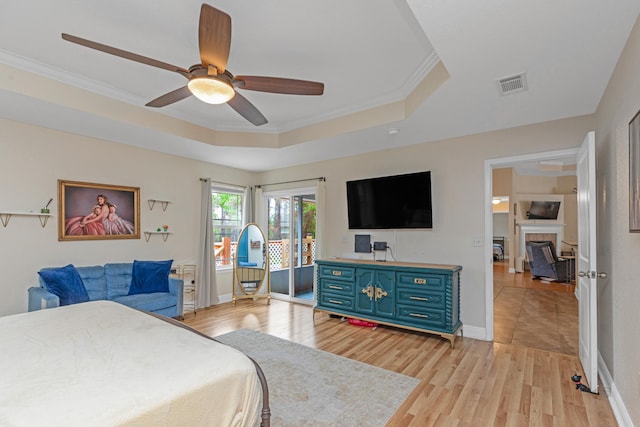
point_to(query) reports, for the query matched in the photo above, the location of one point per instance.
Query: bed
(101, 363)
(498, 248)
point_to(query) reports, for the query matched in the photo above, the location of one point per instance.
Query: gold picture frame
(634, 174)
(90, 211)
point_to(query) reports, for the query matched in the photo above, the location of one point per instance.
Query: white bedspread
(103, 364)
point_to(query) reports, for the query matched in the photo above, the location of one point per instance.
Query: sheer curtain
(320, 217)
(259, 217)
(248, 211)
(206, 289)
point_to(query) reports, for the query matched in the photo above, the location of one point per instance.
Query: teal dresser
(420, 297)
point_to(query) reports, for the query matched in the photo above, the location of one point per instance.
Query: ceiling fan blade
(247, 110)
(214, 37)
(170, 98)
(281, 85)
(124, 54)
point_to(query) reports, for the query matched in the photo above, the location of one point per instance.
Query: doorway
(532, 311)
(292, 237)
(490, 165)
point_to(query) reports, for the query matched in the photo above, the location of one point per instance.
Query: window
(226, 203)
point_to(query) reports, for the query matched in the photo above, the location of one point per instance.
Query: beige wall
(32, 161)
(502, 181)
(39, 157)
(619, 294)
(457, 167)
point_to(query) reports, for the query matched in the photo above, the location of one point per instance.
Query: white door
(586, 290)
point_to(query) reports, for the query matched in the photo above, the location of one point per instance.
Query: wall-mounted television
(397, 201)
(543, 210)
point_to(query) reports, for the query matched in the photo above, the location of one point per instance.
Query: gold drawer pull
(419, 281)
(419, 298)
(335, 287)
(380, 293)
(424, 316)
(332, 301)
(336, 273)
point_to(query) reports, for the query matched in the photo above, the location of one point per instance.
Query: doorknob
(592, 274)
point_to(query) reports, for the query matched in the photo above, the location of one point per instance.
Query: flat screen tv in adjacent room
(398, 201)
(543, 210)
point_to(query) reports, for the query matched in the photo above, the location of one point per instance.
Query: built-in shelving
(163, 203)
(164, 234)
(5, 216)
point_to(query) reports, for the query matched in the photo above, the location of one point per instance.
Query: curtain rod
(320, 178)
(222, 182)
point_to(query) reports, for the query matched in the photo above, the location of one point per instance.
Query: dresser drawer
(421, 280)
(336, 272)
(425, 317)
(335, 301)
(337, 287)
(420, 298)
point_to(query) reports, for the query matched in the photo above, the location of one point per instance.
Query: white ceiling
(369, 53)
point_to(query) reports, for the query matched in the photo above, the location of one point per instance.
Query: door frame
(489, 165)
(288, 192)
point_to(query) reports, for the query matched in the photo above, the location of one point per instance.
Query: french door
(292, 232)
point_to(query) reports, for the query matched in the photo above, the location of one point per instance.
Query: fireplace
(540, 232)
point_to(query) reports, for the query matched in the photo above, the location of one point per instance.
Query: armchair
(544, 263)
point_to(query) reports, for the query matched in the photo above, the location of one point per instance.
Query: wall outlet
(476, 243)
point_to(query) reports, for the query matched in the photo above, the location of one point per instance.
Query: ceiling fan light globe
(211, 90)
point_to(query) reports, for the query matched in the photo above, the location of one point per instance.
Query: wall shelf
(163, 203)
(6, 216)
(164, 234)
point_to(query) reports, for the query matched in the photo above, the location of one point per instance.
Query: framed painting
(88, 211)
(634, 174)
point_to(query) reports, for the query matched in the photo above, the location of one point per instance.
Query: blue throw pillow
(150, 276)
(66, 283)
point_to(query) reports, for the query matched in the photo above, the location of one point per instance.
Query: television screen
(543, 210)
(398, 201)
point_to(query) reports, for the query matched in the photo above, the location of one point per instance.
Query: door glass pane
(305, 229)
(279, 243)
(292, 228)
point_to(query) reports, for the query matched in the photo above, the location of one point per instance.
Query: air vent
(513, 84)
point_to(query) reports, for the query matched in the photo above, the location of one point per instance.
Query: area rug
(309, 387)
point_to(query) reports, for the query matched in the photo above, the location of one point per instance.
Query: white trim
(475, 332)
(615, 400)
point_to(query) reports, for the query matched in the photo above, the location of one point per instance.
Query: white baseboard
(221, 300)
(225, 298)
(475, 332)
(615, 400)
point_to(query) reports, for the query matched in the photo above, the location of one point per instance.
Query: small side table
(187, 272)
(571, 268)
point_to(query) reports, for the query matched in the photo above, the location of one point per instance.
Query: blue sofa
(112, 282)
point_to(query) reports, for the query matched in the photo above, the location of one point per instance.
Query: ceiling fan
(210, 81)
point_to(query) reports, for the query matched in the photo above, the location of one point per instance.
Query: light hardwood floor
(476, 383)
(534, 313)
